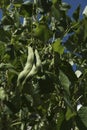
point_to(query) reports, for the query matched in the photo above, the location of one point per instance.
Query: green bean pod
(35, 67)
(28, 66)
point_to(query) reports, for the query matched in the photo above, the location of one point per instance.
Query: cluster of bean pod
(31, 68)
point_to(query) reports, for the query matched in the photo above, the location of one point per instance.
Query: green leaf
(82, 113)
(2, 94)
(16, 19)
(85, 28)
(27, 9)
(55, 12)
(65, 6)
(11, 106)
(7, 20)
(5, 36)
(76, 13)
(54, 1)
(18, 3)
(64, 81)
(45, 6)
(67, 101)
(7, 27)
(16, 123)
(66, 125)
(4, 3)
(69, 113)
(60, 120)
(57, 47)
(42, 32)
(29, 98)
(68, 71)
(2, 49)
(10, 51)
(62, 123)
(57, 62)
(46, 85)
(4, 66)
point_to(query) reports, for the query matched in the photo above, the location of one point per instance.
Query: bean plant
(43, 66)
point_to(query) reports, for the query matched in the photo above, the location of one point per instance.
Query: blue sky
(0, 14)
(74, 4)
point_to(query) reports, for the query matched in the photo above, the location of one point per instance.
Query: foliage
(49, 97)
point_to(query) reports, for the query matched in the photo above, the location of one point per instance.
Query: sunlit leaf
(83, 115)
(65, 6)
(2, 94)
(69, 113)
(85, 11)
(78, 73)
(42, 32)
(54, 1)
(57, 47)
(17, 3)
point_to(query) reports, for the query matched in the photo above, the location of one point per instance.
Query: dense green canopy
(43, 66)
